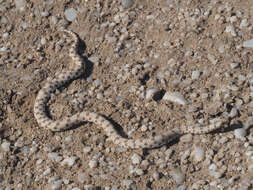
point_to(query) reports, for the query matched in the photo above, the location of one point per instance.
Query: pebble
(54, 156)
(20, 4)
(139, 172)
(186, 138)
(230, 29)
(5, 35)
(93, 59)
(195, 75)
(56, 184)
(127, 3)
(156, 175)
(240, 133)
(130, 184)
(212, 59)
(234, 65)
(248, 44)
(93, 163)
(87, 149)
(70, 14)
(44, 13)
(68, 139)
(82, 177)
(43, 41)
(181, 187)
(69, 161)
(198, 154)
(175, 97)
(6, 146)
(136, 159)
(3, 20)
(151, 92)
(177, 175)
(53, 20)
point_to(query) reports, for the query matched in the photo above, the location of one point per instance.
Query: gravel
(248, 43)
(177, 175)
(240, 133)
(195, 57)
(127, 3)
(70, 14)
(136, 159)
(175, 97)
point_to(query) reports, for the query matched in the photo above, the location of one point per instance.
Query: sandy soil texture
(152, 66)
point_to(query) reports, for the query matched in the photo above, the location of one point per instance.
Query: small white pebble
(198, 154)
(56, 185)
(230, 29)
(248, 44)
(70, 14)
(128, 183)
(186, 138)
(177, 175)
(212, 167)
(5, 35)
(43, 41)
(156, 175)
(44, 13)
(175, 97)
(81, 177)
(150, 93)
(136, 159)
(195, 75)
(76, 188)
(69, 161)
(6, 146)
(68, 139)
(139, 172)
(47, 171)
(93, 59)
(54, 156)
(127, 3)
(93, 163)
(234, 65)
(87, 149)
(181, 187)
(240, 133)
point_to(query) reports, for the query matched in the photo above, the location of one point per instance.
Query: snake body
(60, 79)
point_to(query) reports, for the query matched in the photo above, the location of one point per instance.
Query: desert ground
(150, 67)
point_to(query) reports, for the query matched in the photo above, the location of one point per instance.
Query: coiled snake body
(45, 121)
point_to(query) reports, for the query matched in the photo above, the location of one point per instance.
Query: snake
(45, 121)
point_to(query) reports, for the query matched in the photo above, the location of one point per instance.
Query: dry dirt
(192, 47)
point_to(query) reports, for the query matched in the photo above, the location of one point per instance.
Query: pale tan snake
(59, 125)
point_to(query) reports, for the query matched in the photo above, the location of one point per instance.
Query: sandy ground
(135, 53)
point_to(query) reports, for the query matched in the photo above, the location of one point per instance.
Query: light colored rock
(20, 4)
(195, 75)
(240, 133)
(54, 156)
(198, 154)
(56, 185)
(69, 161)
(136, 159)
(5, 146)
(127, 3)
(82, 177)
(248, 44)
(70, 14)
(177, 175)
(150, 93)
(93, 163)
(175, 97)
